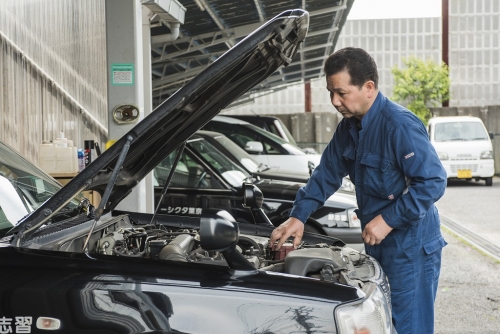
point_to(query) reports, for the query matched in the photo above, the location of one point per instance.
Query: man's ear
(370, 88)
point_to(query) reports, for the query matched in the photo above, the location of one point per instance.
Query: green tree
(422, 84)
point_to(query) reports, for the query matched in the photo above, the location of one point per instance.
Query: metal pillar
(125, 61)
(128, 38)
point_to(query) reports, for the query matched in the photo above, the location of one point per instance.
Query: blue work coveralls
(397, 174)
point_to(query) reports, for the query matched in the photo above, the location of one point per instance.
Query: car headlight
(486, 155)
(442, 155)
(370, 315)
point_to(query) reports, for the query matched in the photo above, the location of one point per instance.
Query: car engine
(330, 263)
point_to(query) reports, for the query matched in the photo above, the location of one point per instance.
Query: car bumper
(466, 169)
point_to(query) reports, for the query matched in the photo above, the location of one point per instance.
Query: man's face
(350, 101)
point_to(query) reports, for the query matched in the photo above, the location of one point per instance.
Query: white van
(464, 147)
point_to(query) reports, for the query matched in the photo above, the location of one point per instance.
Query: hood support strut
(107, 191)
(169, 178)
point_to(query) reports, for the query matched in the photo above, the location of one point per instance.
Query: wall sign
(122, 74)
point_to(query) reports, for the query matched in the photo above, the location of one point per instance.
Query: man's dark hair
(357, 62)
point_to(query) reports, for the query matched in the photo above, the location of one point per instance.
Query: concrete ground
(468, 299)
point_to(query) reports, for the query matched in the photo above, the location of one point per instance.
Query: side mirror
(218, 231)
(492, 135)
(253, 199)
(254, 147)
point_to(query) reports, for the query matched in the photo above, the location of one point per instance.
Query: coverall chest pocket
(379, 176)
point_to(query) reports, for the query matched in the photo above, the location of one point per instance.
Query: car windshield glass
(277, 127)
(460, 131)
(231, 172)
(292, 149)
(24, 188)
(243, 157)
(190, 173)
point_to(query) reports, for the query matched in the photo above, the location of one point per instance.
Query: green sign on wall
(122, 74)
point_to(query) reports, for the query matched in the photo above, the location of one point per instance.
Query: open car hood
(245, 65)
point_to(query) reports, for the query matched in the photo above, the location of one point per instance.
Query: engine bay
(322, 261)
(124, 236)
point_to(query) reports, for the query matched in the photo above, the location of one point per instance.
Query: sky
(385, 9)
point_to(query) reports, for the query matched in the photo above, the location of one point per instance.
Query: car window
(241, 134)
(25, 188)
(229, 170)
(189, 173)
(460, 131)
(241, 155)
(278, 128)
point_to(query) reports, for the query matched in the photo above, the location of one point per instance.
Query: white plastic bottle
(58, 157)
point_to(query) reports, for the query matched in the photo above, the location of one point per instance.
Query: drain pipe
(174, 34)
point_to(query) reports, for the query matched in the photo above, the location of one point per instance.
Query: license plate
(464, 173)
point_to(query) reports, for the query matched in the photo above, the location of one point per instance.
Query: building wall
(474, 51)
(389, 41)
(474, 58)
(52, 72)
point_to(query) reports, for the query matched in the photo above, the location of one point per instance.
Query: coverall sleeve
(324, 181)
(424, 172)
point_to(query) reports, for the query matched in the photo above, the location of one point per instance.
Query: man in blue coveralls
(384, 148)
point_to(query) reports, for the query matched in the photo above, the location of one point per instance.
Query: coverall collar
(372, 113)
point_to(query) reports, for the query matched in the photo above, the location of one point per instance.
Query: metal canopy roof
(211, 27)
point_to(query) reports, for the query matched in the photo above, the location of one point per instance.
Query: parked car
(264, 146)
(258, 169)
(206, 178)
(69, 267)
(464, 147)
(274, 125)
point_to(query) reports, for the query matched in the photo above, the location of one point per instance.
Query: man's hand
(375, 231)
(291, 227)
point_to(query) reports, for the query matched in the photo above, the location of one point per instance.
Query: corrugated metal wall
(52, 72)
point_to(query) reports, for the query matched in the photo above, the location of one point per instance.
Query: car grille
(455, 168)
(463, 158)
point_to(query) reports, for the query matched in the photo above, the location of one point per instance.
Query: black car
(207, 175)
(68, 267)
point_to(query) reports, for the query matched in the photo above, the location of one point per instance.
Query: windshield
(278, 128)
(460, 131)
(192, 173)
(241, 155)
(23, 188)
(231, 172)
(292, 149)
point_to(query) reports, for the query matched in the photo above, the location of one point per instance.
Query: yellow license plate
(464, 173)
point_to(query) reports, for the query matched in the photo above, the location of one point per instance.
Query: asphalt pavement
(468, 299)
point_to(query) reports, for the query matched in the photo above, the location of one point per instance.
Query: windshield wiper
(107, 191)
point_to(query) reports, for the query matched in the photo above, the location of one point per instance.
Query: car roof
(229, 120)
(446, 119)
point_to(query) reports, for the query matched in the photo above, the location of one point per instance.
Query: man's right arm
(325, 180)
